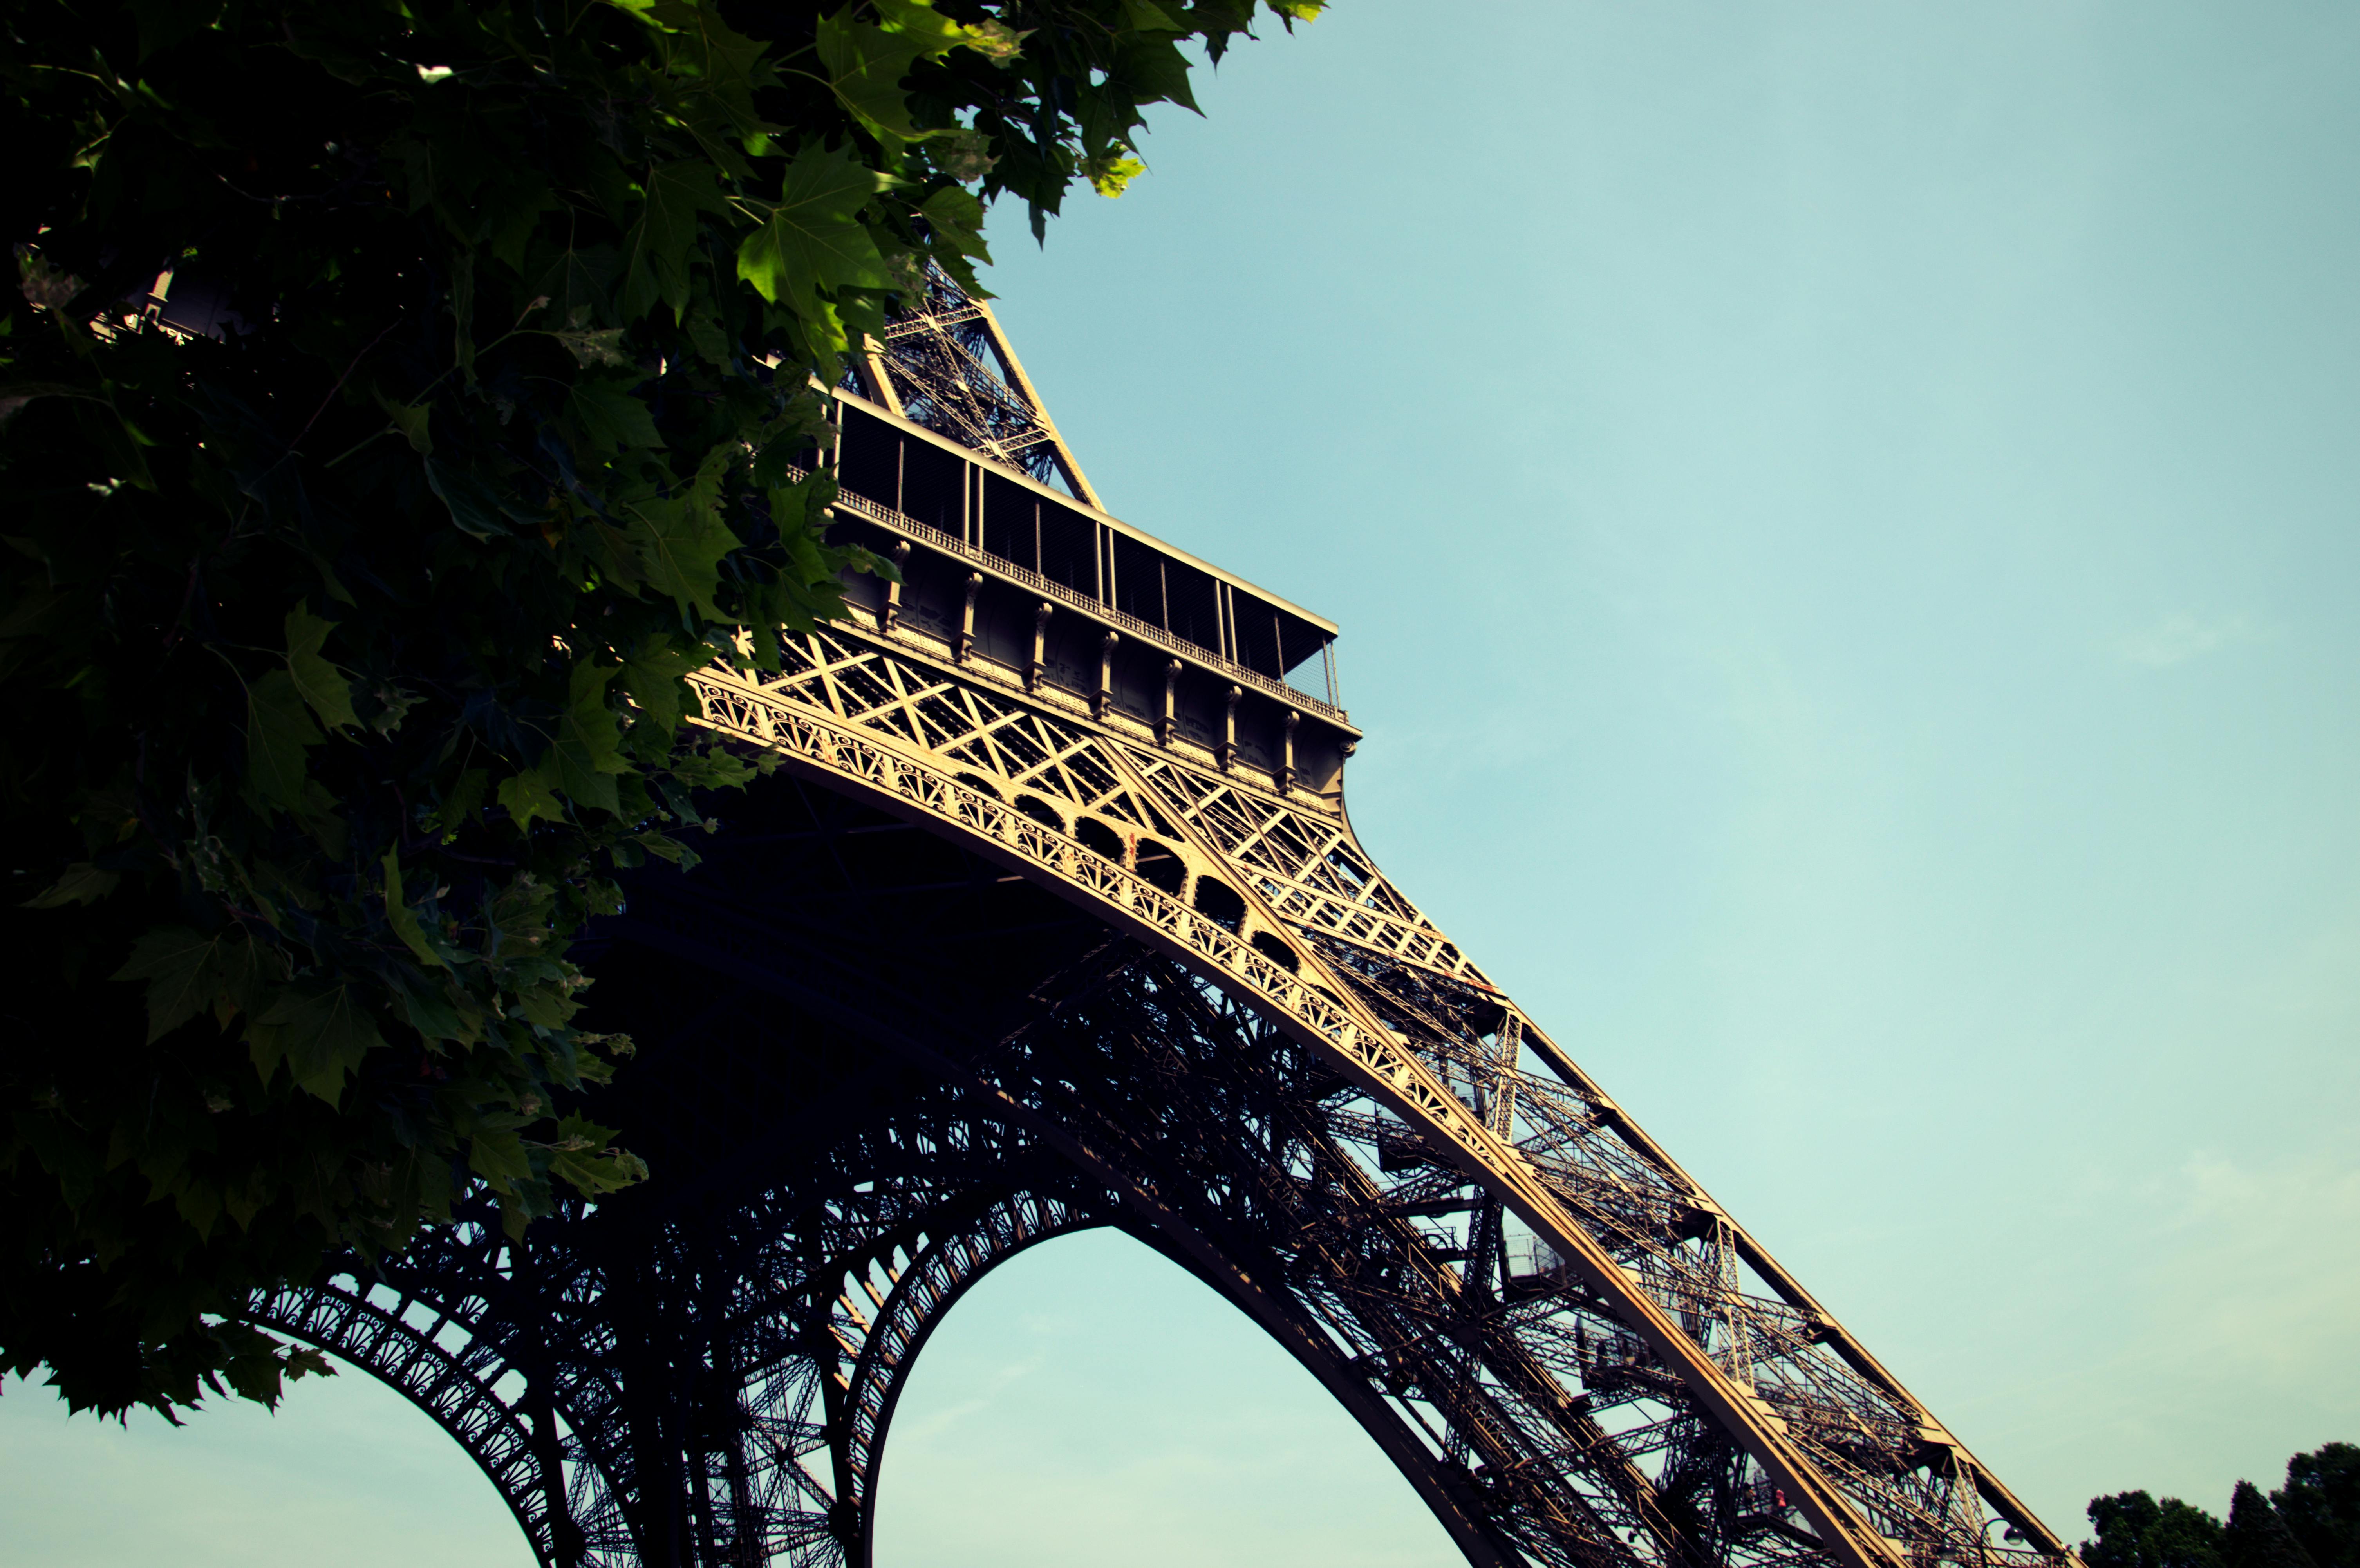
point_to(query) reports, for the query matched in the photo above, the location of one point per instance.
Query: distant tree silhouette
(2321, 1504)
(2313, 1521)
(2137, 1532)
(2258, 1537)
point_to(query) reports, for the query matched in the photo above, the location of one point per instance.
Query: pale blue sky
(1842, 517)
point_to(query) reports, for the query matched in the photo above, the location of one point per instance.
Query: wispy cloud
(2261, 1283)
(997, 1381)
(2180, 636)
(2239, 1278)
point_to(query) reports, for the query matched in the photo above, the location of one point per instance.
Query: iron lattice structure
(945, 364)
(1014, 943)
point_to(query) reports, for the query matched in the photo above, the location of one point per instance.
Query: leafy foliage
(2313, 1521)
(2258, 1537)
(2321, 1503)
(2137, 1532)
(398, 400)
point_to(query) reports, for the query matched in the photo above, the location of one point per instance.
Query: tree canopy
(2321, 1504)
(399, 398)
(2257, 1536)
(2137, 1532)
(2313, 1521)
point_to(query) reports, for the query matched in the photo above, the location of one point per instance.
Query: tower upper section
(948, 463)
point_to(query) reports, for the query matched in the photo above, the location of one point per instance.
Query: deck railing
(1098, 609)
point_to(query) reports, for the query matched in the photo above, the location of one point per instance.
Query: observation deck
(1009, 573)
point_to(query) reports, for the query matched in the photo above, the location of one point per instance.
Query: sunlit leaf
(814, 238)
(865, 67)
(526, 797)
(1108, 176)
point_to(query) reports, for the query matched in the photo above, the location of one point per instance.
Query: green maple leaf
(825, 336)
(611, 417)
(1153, 69)
(865, 67)
(402, 917)
(588, 747)
(707, 334)
(413, 422)
(322, 685)
(474, 505)
(592, 345)
(866, 64)
(466, 799)
(933, 33)
(1148, 17)
(814, 238)
(656, 252)
(957, 218)
(497, 1155)
(680, 538)
(1110, 174)
(255, 1370)
(583, 1155)
(549, 1005)
(652, 676)
(429, 1009)
(575, 285)
(277, 732)
(81, 883)
(528, 796)
(725, 67)
(320, 1031)
(186, 972)
(681, 543)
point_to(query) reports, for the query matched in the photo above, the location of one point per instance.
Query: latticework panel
(945, 365)
(1300, 858)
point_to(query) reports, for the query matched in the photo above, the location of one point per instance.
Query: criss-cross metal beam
(944, 363)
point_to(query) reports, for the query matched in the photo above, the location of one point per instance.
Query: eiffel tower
(1050, 917)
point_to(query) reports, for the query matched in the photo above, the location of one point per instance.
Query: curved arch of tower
(1050, 916)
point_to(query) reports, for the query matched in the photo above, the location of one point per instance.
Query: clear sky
(1842, 517)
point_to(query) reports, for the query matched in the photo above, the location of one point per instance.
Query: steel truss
(945, 364)
(976, 968)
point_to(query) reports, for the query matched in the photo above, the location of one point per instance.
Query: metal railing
(1096, 608)
(911, 325)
